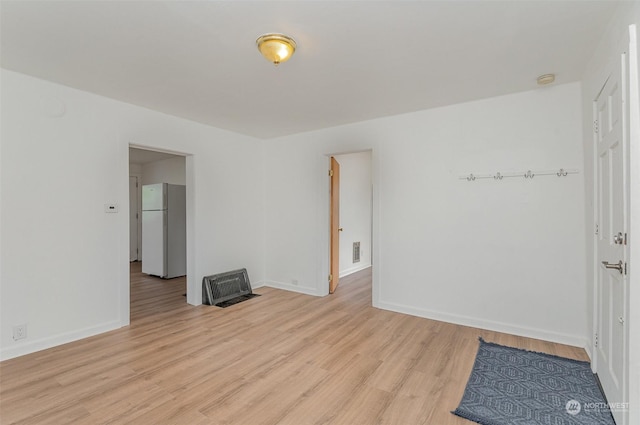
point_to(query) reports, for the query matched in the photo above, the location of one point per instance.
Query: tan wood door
(335, 225)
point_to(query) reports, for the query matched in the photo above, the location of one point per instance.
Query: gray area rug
(509, 386)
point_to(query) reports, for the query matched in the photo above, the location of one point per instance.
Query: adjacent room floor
(281, 358)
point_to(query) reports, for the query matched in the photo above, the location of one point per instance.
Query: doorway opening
(157, 233)
(351, 215)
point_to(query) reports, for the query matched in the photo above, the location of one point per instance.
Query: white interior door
(133, 218)
(612, 283)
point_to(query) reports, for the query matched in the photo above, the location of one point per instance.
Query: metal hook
(529, 175)
(561, 173)
(498, 176)
(471, 177)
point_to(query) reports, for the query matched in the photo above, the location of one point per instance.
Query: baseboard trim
(257, 285)
(27, 347)
(293, 288)
(487, 325)
(354, 269)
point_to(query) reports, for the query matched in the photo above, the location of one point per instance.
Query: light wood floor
(282, 358)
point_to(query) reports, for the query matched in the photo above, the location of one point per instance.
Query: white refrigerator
(164, 230)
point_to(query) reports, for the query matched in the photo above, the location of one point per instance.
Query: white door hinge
(595, 126)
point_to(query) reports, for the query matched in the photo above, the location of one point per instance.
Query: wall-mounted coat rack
(529, 174)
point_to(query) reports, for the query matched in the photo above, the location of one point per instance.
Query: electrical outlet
(19, 332)
(111, 208)
(294, 282)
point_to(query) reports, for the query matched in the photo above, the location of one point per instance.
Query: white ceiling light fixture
(545, 79)
(276, 48)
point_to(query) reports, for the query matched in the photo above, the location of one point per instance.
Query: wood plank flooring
(281, 358)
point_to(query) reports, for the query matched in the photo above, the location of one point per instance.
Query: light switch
(111, 208)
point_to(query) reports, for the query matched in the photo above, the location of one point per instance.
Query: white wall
(505, 255)
(355, 210)
(608, 50)
(171, 170)
(65, 268)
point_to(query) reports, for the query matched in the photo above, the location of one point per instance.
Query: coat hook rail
(529, 174)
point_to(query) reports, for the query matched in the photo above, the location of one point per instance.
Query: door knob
(617, 266)
(618, 239)
(340, 229)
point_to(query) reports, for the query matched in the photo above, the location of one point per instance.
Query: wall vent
(225, 286)
(356, 252)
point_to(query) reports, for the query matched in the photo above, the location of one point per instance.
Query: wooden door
(611, 136)
(334, 174)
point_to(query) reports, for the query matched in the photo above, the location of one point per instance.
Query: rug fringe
(474, 418)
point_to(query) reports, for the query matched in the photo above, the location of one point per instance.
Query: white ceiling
(356, 60)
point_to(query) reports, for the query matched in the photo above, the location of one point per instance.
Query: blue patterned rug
(509, 386)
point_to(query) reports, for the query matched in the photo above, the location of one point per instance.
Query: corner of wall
(293, 288)
(543, 334)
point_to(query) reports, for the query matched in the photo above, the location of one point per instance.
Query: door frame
(324, 221)
(633, 315)
(139, 212)
(334, 226)
(194, 293)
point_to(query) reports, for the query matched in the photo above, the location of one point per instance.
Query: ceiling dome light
(276, 48)
(545, 79)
